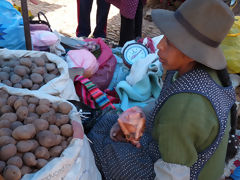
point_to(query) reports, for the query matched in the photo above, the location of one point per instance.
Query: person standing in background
(131, 18)
(84, 8)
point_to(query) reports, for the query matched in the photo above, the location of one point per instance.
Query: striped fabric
(90, 94)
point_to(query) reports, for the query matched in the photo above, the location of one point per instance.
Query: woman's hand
(116, 133)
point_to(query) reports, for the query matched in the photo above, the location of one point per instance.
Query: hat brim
(185, 42)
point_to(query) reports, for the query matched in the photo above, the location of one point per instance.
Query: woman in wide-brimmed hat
(190, 121)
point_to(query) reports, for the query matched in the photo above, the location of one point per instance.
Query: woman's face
(172, 58)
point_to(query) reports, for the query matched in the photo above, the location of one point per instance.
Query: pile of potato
(32, 132)
(30, 73)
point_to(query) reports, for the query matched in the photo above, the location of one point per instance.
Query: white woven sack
(76, 161)
(61, 86)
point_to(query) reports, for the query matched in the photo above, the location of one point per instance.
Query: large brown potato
(24, 132)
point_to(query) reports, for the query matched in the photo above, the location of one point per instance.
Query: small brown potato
(11, 100)
(12, 173)
(20, 70)
(22, 112)
(7, 151)
(20, 102)
(26, 146)
(64, 144)
(64, 107)
(46, 138)
(39, 61)
(44, 102)
(42, 153)
(5, 132)
(41, 163)
(7, 82)
(26, 62)
(50, 66)
(50, 117)
(17, 85)
(35, 87)
(39, 70)
(55, 71)
(66, 130)
(33, 100)
(58, 140)
(5, 124)
(29, 159)
(6, 69)
(40, 109)
(16, 161)
(49, 77)
(15, 124)
(27, 83)
(54, 129)
(2, 165)
(11, 117)
(4, 140)
(3, 101)
(6, 109)
(24, 132)
(40, 124)
(31, 114)
(31, 107)
(4, 76)
(61, 119)
(55, 151)
(15, 78)
(36, 78)
(25, 170)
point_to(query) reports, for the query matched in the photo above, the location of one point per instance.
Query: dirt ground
(62, 15)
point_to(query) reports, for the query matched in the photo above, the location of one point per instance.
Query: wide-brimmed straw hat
(197, 28)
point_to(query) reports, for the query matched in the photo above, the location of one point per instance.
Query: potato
(11, 117)
(5, 132)
(15, 124)
(54, 129)
(31, 107)
(29, 159)
(7, 151)
(15, 78)
(49, 77)
(50, 117)
(64, 107)
(26, 62)
(31, 114)
(24, 132)
(17, 85)
(6, 69)
(2, 165)
(25, 170)
(26, 146)
(7, 82)
(64, 144)
(4, 76)
(6, 109)
(42, 153)
(11, 173)
(55, 106)
(4, 140)
(27, 70)
(39, 70)
(5, 124)
(55, 151)
(16, 161)
(44, 102)
(29, 120)
(4, 94)
(50, 66)
(22, 112)
(46, 138)
(33, 100)
(66, 130)
(61, 119)
(3, 101)
(59, 140)
(35, 87)
(36, 78)
(40, 109)
(11, 100)
(20, 102)
(20, 70)
(40, 124)
(39, 61)
(55, 71)
(27, 83)
(26, 97)
(41, 163)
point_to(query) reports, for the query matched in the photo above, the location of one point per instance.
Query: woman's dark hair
(233, 141)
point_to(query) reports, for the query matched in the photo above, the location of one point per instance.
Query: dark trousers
(131, 28)
(84, 8)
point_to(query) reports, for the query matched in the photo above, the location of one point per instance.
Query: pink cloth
(127, 8)
(106, 52)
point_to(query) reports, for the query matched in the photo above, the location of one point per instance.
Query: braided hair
(233, 141)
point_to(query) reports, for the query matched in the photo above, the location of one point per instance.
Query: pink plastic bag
(43, 38)
(84, 59)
